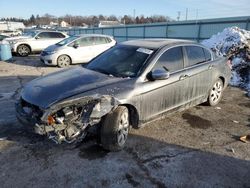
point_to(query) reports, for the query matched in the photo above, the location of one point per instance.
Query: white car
(34, 41)
(76, 49)
(11, 33)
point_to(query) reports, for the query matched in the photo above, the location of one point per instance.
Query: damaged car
(128, 85)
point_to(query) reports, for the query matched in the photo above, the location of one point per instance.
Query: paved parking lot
(198, 147)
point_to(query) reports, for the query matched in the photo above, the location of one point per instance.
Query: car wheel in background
(23, 50)
(63, 61)
(114, 129)
(215, 94)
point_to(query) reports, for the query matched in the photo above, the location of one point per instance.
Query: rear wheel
(215, 94)
(63, 61)
(115, 128)
(23, 50)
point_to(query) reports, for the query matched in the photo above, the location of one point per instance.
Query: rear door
(161, 95)
(54, 37)
(199, 72)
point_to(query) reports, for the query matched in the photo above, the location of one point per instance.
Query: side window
(100, 40)
(86, 41)
(108, 40)
(56, 35)
(172, 60)
(195, 55)
(207, 55)
(43, 35)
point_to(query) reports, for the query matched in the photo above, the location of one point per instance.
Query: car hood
(18, 38)
(47, 90)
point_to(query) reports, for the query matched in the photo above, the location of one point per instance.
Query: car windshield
(67, 40)
(30, 34)
(121, 61)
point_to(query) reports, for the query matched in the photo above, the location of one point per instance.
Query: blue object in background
(5, 52)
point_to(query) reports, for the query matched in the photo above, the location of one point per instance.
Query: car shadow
(33, 60)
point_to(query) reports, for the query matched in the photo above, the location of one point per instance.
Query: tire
(115, 129)
(215, 93)
(23, 50)
(63, 61)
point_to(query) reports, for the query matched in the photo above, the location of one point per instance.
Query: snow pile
(235, 44)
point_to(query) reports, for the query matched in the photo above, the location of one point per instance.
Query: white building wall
(5, 25)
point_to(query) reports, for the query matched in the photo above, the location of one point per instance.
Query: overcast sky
(196, 8)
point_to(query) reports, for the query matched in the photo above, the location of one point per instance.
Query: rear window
(100, 40)
(196, 55)
(55, 35)
(207, 55)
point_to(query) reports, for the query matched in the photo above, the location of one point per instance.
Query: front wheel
(215, 94)
(23, 50)
(63, 61)
(115, 128)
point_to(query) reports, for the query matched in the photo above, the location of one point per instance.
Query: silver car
(76, 49)
(126, 86)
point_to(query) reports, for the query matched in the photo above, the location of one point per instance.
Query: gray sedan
(126, 86)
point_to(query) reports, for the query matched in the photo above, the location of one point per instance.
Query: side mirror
(159, 74)
(76, 45)
(37, 37)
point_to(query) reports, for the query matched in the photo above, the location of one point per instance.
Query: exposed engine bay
(69, 121)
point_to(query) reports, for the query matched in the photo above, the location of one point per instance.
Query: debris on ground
(231, 150)
(236, 121)
(234, 43)
(245, 138)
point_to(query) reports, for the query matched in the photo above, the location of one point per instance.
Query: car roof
(38, 31)
(156, 43)
(93, 35)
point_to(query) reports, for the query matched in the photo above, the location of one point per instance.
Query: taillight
(229, 63)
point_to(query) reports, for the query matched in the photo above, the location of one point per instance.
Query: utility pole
(196, 15)
(134, 14)
(186, 14)
(178, 15)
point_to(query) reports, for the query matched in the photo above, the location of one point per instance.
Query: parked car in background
(34, 41)
(76, 49)
(2, 37)
(128, 85)
(11, 33)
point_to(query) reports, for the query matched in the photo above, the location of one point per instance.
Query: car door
(54, 37)
(82, 50)
(161, 95)
(199, 72)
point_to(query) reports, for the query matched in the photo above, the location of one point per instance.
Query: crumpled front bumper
(30, 122)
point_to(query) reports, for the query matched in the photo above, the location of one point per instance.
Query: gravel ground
(198, 147)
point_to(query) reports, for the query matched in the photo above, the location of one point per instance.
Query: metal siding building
(193, 30)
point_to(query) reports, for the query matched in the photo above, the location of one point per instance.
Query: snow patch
(234, 43)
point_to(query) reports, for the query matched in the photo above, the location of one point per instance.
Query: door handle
(210, 67)
(182, 77)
